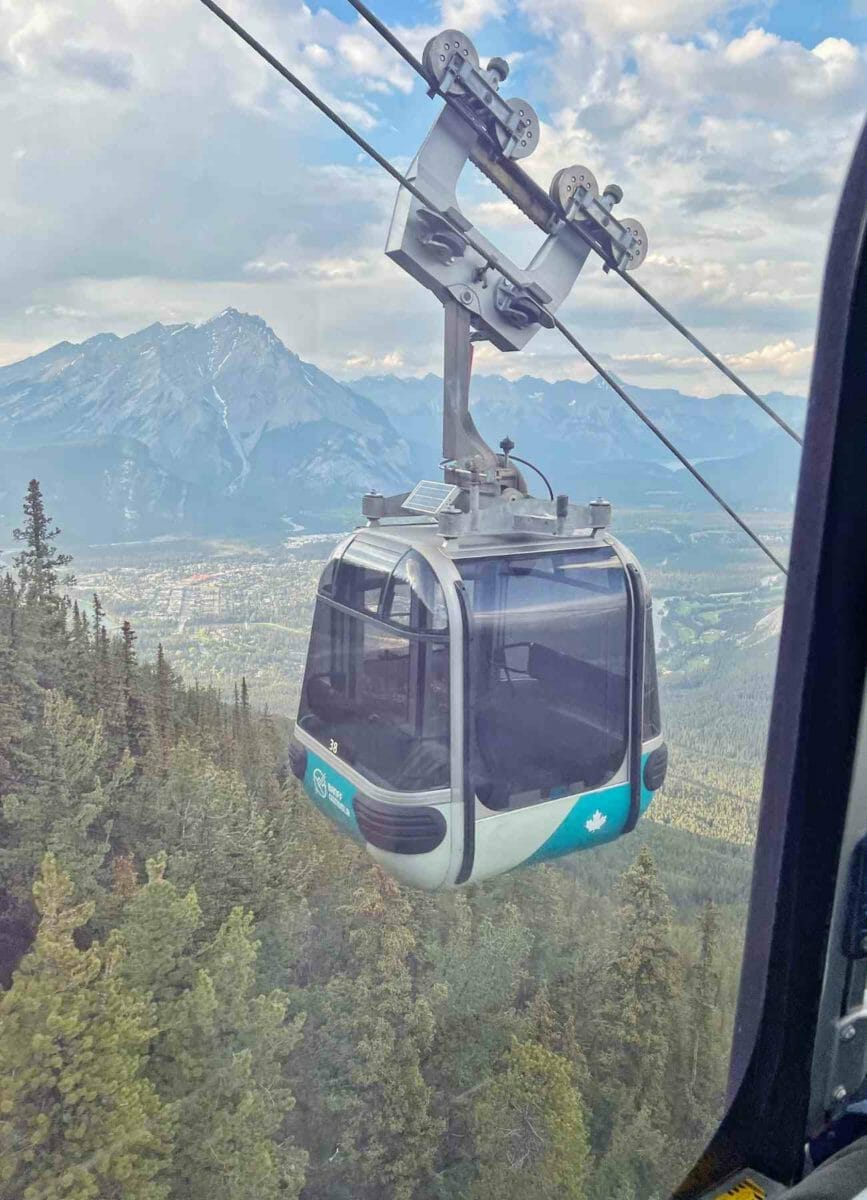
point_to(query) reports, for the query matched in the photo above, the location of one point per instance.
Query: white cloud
(360, 363)
(757, 74)
(780, 358)
(53, 310)
(754, 44)
(334, 270)
(280, 267)
(318, 54)
(470, 15)
(626, 20)
(368, 56)
(783, 358)
(151, 177)
(655, 360)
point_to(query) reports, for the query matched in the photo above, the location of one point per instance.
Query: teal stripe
(595, 818)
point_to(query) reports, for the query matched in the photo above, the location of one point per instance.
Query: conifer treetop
(38, 563)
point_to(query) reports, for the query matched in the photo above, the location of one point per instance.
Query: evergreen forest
(207, 995)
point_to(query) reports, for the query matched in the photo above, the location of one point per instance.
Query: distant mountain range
(589, 443)
(219, 427)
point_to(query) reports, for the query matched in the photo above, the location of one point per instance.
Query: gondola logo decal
(595, 823)
(327, 791)
(330, 790)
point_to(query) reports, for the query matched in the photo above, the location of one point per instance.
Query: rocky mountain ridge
(216, 426)
(219, 428)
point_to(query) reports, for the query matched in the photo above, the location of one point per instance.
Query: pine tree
(162, 707)
(101, 667)
(37, 565)
(218, 839)
(369, 1115)
(19, 694)
(246, 736)
(133, 704)
(557, 1030)
(64, 805)
(638, 1164)
(530, 1137)
(705, 1085)
(159, 928)
(38, 614)
(479, 965)
(13, 725)
(77, 1118)
(642, 985)
(235, 1043)
(79, 654)
(218, 1060)
(113, 704)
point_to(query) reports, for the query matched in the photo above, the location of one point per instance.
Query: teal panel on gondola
(595, 818)
(332, 794)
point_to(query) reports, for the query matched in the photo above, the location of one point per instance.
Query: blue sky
(156, 170)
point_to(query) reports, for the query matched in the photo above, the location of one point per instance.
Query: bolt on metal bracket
(848, 1061)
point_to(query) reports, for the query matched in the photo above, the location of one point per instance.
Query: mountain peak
(232, 316)
(242, 328)
(222, 406)
(98, 339)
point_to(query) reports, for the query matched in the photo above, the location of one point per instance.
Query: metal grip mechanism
(452, 66)
(485, 295)
(438, 244)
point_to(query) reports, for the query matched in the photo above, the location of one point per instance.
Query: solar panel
(430, 497)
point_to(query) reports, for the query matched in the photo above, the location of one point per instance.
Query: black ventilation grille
(656, 767)
(402, 829)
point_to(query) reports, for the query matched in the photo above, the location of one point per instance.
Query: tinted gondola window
(414, 598)
(652, 722)
(363, 574)
(326, 579)
(398, 601)
(377, 695)
(548, 674)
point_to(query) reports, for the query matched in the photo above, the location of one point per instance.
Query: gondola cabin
(473, 704)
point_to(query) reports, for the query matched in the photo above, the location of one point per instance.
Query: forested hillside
(209, 996)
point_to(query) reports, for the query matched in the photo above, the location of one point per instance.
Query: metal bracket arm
(430, 249)
(428, 239)
(462, 442)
